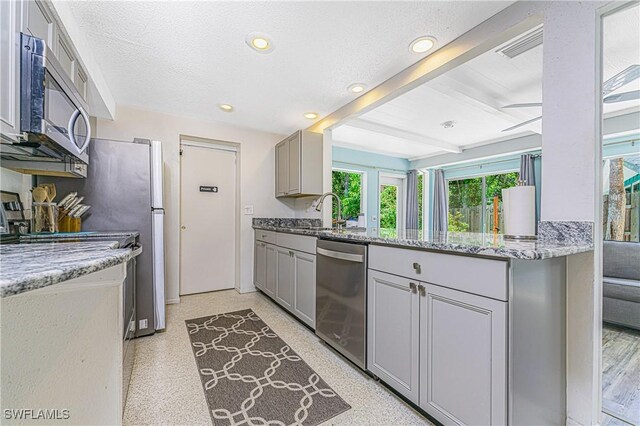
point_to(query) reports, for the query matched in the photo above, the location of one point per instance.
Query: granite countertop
(81, 235)
(25, 267)
(455, 242)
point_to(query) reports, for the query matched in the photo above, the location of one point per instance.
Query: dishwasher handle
(349, 257)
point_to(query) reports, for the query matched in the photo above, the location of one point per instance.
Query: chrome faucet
(339, 220)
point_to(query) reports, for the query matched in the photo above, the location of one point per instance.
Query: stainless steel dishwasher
(341, 298)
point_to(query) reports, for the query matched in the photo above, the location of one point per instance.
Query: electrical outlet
(143, 323)
(248, 209)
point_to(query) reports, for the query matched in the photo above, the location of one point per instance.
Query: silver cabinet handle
(417, 267)
(290, 253)
(349, 257)
(422, 289)
(412, 287)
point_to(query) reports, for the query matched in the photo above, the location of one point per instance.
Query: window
(475, 204)
(348, 186)
(621, 188)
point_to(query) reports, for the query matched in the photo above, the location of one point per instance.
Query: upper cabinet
(299, 165)
(36, 18)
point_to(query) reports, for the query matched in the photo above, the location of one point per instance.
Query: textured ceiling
(188, 57)
(474, 93)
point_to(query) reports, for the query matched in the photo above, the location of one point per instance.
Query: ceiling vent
(522, 44)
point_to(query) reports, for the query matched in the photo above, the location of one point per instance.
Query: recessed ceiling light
(310, 115)
(226, 107)
(260, 42)
(357, 87)
(448, 124)
(422, 44)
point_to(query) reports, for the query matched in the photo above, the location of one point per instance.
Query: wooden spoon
(39, 196)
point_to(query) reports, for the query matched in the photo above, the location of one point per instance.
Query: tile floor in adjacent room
(166, 389)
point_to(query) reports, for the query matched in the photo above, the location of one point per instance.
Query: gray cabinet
(284, 277)
(299, 165)
(442, 348)
(463, 357)
(304, 285)
(271, 275)
(285, 270)
(38, 21)
(392, 332)
(10, 69)
(282, 168)
(260, 270)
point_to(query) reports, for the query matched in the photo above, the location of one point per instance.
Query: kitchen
(240, 187)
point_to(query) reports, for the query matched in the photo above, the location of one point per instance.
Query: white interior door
(208, 215)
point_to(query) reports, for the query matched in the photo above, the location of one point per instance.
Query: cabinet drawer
(485, 277)
(266, 236)
(296, 242)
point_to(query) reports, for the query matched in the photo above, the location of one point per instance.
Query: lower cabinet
(463, 357)
(284, 277)
(304, 287)
(271, 270)
(260, 269)
(393, 332)
(443, 349)
(289, 277)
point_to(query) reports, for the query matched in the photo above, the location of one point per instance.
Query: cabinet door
(392, 331)
(304, 298)
(10, 69)
(282, 168)
(284, 283)
(463, 357)
(37, 21)
(294, 164)
(271, 274)
(65, 56)
(260, 265)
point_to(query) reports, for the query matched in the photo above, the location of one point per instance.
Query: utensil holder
(45, 217)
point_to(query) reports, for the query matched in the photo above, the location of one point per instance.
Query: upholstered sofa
(621, 291)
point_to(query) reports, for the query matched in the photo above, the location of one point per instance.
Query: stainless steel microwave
(55, 130)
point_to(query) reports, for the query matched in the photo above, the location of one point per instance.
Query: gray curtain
(412, 200)
(440, 202)
(528, 175)
(527, 172)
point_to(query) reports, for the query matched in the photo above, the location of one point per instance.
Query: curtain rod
(480, 165)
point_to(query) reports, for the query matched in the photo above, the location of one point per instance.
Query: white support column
(571, 127)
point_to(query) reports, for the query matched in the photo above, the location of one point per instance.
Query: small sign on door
(208, 189)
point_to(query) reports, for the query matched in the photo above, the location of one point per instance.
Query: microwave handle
(72, 124)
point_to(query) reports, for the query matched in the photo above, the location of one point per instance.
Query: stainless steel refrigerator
(124, 187)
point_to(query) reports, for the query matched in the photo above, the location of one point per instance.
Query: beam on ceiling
(493, 32)
(402, 134)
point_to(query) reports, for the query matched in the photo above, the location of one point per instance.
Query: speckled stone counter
(456, 242)
(25, 267)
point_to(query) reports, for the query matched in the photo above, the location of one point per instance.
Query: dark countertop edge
(29, 282)
(501, 253)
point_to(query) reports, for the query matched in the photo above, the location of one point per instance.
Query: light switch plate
(248, 209)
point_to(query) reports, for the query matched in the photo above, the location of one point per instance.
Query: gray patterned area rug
(251, 376)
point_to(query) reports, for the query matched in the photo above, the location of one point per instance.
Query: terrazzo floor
(165, 387)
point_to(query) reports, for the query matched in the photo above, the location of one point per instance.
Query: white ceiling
(473, 95)
(188, 57)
